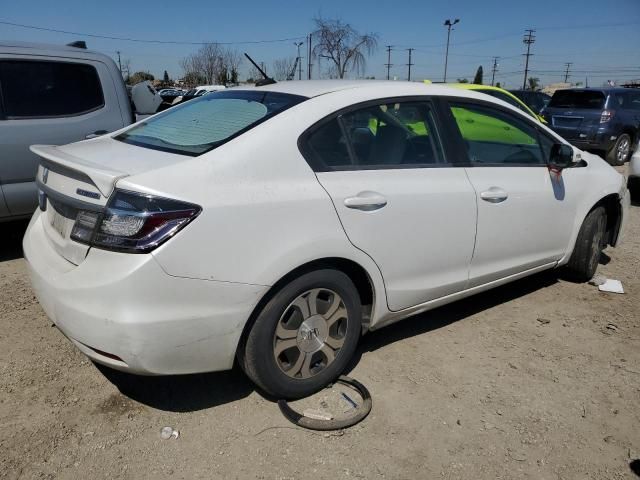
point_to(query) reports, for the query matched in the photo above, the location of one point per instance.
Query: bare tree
(282, 68)
(213, 63)
(342, 45)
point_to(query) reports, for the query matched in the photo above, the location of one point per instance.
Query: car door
(398, 194)
(525, 212)
(46, 101)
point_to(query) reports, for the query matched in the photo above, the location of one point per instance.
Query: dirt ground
(538, 380)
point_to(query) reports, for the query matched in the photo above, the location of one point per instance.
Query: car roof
(315, 88)
(50, 50)
(597, 89)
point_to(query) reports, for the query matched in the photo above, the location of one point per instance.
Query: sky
(601, 38)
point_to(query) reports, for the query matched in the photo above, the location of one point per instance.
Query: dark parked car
(536, 101)
(603, 119)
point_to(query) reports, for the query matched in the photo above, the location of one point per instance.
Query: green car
(501, 94)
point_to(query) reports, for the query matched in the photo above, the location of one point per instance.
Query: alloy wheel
(623, 150)
(310, 333)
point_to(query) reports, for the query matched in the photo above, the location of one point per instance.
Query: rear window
(48, 89)
(208, 122)
(577, 99)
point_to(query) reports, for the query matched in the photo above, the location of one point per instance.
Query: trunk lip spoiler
(103, 178)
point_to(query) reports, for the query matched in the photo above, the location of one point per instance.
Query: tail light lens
(133, 222)
(606, 115)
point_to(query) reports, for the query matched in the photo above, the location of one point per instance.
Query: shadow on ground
(11, 239)
(448, 314)
(186, 393)
(182, 393)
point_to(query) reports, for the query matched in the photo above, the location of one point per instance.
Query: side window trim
(71, 61)
(449, 152)
(459, 140)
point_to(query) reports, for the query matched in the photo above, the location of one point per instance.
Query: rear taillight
(133, 222)
(606, 115)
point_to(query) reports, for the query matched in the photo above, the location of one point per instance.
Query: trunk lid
(82, 176)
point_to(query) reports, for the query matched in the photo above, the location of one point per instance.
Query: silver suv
(51, 94)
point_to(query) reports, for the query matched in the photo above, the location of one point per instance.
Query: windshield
(577, 99)
(206, 123)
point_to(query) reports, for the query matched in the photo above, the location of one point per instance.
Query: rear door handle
(95, 134)
(494, 195)
(366, 201)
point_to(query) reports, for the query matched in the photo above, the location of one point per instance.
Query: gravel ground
(539, 379)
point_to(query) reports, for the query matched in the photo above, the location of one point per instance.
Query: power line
(140, 40)
(388, 64)
(409, 64)
(529, 38)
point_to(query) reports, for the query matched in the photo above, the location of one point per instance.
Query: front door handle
(366, 201)
(95, 134)
(494, 195)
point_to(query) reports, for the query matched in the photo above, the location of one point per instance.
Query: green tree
(478, 78)
(194, 78)
(165, 77)
(463, 80)
(140, 77)
(534, 83)
(234, 76)
(222, 77)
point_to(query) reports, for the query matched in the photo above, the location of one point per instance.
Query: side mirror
(561, 156)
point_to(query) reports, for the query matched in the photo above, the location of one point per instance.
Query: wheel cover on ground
(310, 333)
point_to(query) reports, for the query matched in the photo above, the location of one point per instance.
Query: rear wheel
(589, 244)
(305, 335)
(620, 151)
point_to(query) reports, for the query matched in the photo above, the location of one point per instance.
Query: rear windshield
(577, 99)
(205, 123)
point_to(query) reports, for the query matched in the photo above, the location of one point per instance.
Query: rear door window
(386, 135)
(577, 99)
(44, 89)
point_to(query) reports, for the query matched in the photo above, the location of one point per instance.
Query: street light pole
(448, 23)
(299, 44)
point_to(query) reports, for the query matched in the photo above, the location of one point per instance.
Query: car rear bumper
(124, 311)
(600, 141)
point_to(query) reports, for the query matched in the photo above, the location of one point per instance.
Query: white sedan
(277, 224)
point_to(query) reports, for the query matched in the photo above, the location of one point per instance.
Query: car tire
(621, 150)
(589, 244)
(305, 335)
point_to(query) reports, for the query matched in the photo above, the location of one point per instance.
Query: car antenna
(267, 80)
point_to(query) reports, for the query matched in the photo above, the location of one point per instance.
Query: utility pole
(388, 64)
(449, 24)
(494, 69)
(566, 73)
(119, 62)
(409, 64)
(529, 38)
(299, 59)
(309, 57)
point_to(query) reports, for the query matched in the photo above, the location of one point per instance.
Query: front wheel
(620, 151)
(305, 335)
(589, 244)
